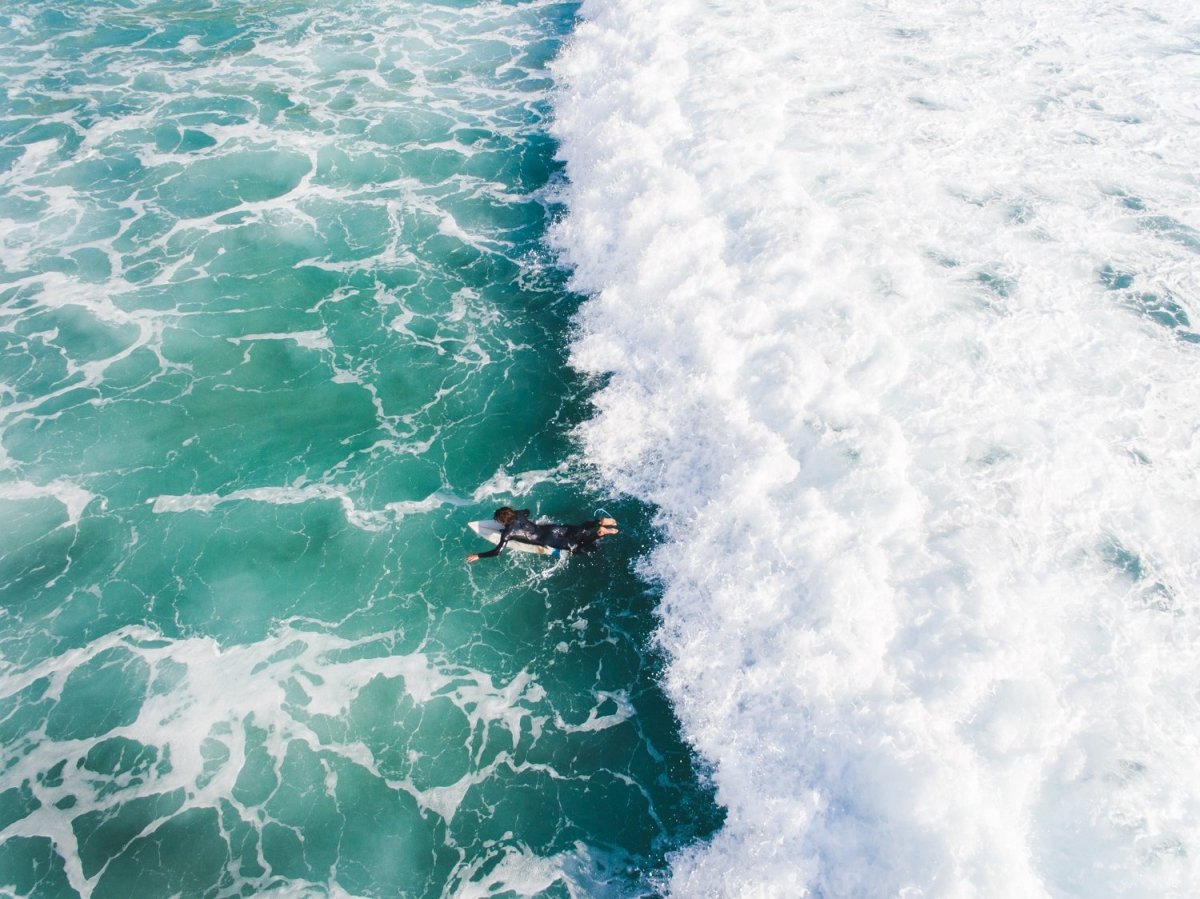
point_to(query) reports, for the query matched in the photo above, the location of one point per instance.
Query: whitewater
(894, 307)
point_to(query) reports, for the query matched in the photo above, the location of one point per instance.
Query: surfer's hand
(474, 557)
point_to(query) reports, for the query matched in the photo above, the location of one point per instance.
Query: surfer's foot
(608, 522)
(604, 532)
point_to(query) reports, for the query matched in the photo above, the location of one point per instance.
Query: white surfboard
(490, 531)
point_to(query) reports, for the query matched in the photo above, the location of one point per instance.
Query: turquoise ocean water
(276, 319)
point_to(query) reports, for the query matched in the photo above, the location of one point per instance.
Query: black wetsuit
(575, 538)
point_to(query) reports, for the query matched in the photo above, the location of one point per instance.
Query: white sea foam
(366, 519)
(312, 340)
(505, 483)
(898, 306)
(73, 497)
(186, 722)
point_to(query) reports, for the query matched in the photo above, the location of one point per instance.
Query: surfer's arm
(475, 557)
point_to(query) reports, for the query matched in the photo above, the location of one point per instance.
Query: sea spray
(897, 307)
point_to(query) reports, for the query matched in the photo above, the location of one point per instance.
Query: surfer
(575, 538)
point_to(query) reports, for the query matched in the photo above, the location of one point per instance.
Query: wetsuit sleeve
(499, 546)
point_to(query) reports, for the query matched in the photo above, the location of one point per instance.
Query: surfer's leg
(596, 529)
(574, 533)
(585, 537)
(557, 536)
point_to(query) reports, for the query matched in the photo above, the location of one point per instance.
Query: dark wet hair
(504, 514)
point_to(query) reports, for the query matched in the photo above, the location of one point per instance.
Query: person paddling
(574, 538)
